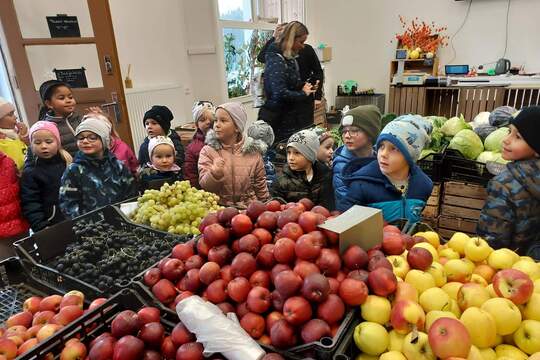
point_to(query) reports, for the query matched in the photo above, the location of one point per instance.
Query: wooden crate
(465, 190)
(431, 211)
(463, 225)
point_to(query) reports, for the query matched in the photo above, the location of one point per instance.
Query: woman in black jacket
(289, 100)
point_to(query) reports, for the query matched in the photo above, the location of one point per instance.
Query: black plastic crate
(432, 166)
(92, 324)
(458, 168)
(16, 286)
(347, 349)
(38, 252)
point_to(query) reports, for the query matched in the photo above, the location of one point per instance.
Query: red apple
(353, 292)
(329, 262)
(419, 258)
(180, 335)
(273, 205)
(128, 348)
(209, 272)
(244, 265)
(202, 247)
(42, 317)
(305, 268)
(241, 225)
(258, 300)
(152, 334)
(96, 303)
(308, 204)
(282, 335)
(287, 216)
(241, 309)
(225, 215)
(318, 237)
(272, 318)
(226, 273)
(194, 262)
(148, 314)
(296, 310)
(314, 330)
(220, 255)
(361, 275)
(151, 277)
(316, 288)
(215, 235)
(265, 257)
(183, 251)
(173, 269)
(260, 278)
(254, 324)
(168, 350)
(332, 310)
(264, 236)
(393, 243)
(210, 218)
(8, 348)
(306, 248)
(267, 220)
(191, 281)
(23, 318)
(378, 261)
(284, 250)
(151, 355)
(32, 304)
(382, 281)
(292, 231)
(217, 291)
(334, 285)
(513, 285)
(67, 314)
(190, 351)
(125, 323)
(50, 303)
(355, 258)
(391, 229)
(249, 243)
(321, 210)
(287, 283)
(449, 338)
(277, 269)
(164, 291)
(238, 289)
(255, 209)
(102, 349)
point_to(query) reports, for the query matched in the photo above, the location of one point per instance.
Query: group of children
(70, 164)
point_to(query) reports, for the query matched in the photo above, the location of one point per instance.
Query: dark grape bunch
(103, 256)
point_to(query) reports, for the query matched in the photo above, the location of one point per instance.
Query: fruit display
(284, 278)
(177, 208)
(104, 255)
(459, 300)
(40, 318)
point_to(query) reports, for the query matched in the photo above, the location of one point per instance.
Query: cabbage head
(490, 156)
(481, 119)
(437, 121)
(494, 140)
(467, 143)
(454, 125)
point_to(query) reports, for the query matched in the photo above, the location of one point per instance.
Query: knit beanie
(306, 142)
(365, 117)
(158, 140)
(200, 107)
(98, 127)
(322, 134)
(260, 130)
(45, 125)
(5, 107)
(526, 121)
(237, 113)
(409, 133)
(162, 115)
(501, 116)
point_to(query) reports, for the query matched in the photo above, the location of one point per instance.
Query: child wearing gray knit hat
(98, 127)
(304, 176)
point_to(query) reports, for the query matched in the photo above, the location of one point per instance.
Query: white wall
(360, 33)
(151, 35)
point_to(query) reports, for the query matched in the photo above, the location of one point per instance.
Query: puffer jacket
(144, 157)
(294, 185)
(90, 183)
(12, 222)
(40, 183)
(123, 152)
(511, 215)
(244, 178)
(193, 150)
(368, 186)
(343, 157)
(66, 127)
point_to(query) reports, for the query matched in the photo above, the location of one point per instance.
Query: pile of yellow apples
(459, 300)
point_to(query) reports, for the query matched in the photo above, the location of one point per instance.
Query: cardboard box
(359, 225)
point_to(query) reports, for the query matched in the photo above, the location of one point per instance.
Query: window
(245, 26)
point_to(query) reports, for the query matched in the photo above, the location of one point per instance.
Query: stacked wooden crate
(461, 205)
(431, 211)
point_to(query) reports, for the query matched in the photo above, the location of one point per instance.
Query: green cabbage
(454, 125)
(494, 140)
(467, 143)
(437, 121)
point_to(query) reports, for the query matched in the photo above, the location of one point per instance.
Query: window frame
(255, 24)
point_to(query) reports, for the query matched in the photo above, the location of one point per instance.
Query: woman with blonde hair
(285, 91)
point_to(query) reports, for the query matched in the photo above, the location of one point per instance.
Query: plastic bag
(218, 333)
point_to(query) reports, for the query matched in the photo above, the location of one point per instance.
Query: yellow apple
(420, 280)
(392, 355)
(477, 279)
(417, 347)
(371, 338)
(437, 314)
(434, 299)
(510, 351)
(527, 336)
(527, 258)
(477, 249)
(488, 354)
(437, 271)
(376, 309)
(491, 291)
(433, 238)
(505, 313)
(475, 354)
(472, 294)
(530, 268)
(537, 286)
(502, 259)
(405, 291)
(449, 254)
(429, 248)
(470, 264)
(458, 270)
(395, 342)
(535, 356)
(400, 266)
(457, 242)
(452, 289)
(481, 326)
(484, 271)
(407, 316)
(453, 307)
(531, 309)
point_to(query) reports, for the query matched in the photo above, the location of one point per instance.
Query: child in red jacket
(12, 223)
(203, 115)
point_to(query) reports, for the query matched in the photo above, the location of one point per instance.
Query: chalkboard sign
(62, 25)
(76, 78)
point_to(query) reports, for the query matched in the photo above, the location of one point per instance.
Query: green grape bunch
(176, 208)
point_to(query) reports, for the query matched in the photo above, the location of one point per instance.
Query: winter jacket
(294, 185)
(15, 149)
(151, 178)
(12, 222)
(40, 183)
(123, 152)
(343, 157)
(90, 183)
(144, 157)
(193, 150)
(244, 178)
(511, 215)
(309, 65)
(66, 127)
(368, 186)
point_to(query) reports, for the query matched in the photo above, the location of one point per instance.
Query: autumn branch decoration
(427, 37)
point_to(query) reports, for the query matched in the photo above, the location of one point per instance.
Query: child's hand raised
(22, 129)
(217, 168)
